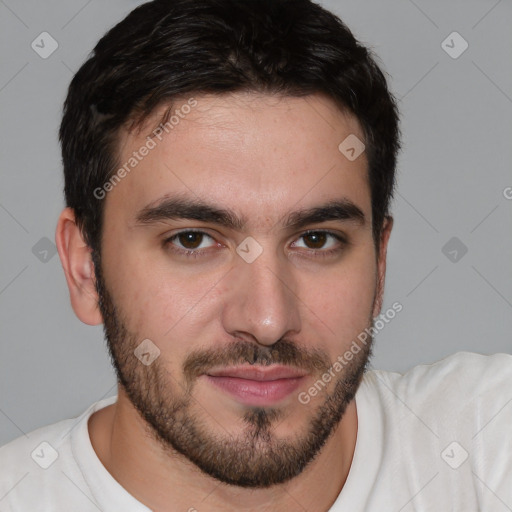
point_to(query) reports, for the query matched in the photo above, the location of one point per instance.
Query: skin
(262, 157)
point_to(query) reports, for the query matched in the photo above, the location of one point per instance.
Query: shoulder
(446, 424)
(29, 461)
(459, 372)
(34, 465)
(35, 447)
(462, 391)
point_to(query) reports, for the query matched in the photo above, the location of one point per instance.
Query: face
(241, 247)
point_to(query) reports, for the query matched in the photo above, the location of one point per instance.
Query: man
(228, 172)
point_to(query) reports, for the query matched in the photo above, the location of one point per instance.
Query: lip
(257, 386)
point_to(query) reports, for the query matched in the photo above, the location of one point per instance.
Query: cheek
(156, 300)
(342, 301)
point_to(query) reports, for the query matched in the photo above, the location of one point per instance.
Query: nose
(262, 305)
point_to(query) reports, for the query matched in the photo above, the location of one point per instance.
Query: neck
(165, 481)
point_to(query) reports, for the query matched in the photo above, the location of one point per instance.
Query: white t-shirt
(438, 438)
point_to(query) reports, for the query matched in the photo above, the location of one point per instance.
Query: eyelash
(189, 253)
(319, 253)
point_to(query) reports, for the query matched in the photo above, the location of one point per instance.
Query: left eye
(318, 240)
(191, 240)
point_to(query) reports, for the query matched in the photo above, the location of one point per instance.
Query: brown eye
(321, 243)
(315, 240)
(190, 242)
(190, 239)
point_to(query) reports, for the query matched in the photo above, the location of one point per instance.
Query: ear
(381, 264)
(76, 259)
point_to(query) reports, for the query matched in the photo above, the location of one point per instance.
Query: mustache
(282, 352)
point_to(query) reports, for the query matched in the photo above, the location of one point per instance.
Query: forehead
(256, 154)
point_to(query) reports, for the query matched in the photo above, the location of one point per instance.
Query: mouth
(257, 385)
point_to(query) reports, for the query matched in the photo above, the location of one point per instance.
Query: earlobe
(76, 259)
(381, 264)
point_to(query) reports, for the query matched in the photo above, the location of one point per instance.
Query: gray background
(455, 166)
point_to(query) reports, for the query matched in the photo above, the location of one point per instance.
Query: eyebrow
(341, 209)
(173, 208)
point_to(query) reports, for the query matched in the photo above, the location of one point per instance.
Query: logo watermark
(144, 150)
(343, 360)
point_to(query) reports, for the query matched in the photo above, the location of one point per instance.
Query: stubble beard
(255, 457)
